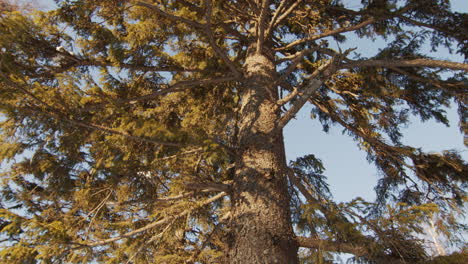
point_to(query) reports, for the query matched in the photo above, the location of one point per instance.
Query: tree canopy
(151, 131)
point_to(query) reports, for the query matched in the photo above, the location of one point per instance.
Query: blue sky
(349, 174)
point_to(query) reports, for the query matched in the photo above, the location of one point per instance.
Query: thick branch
(407, 63)
(297, 182)
(309, 90)
(313, 85)
(261, 25)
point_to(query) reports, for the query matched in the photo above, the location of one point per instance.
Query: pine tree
(151, 131)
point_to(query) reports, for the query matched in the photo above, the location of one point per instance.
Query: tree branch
(261, 25)
(329, 33)
(436, 83)
(278, 10)
(170, 16)
(210, 34)
(297, 59)
(333, 246)
(406, 63)
(86, 62)
(314, 84)
(421, 24)
(179, 86)
(275, 21)
(208, 186)
(58, 114)
(154, 224)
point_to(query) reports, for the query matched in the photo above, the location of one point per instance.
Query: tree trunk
(261, 229)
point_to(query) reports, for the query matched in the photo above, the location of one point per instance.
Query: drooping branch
(406, 63)
(177, 87)
(87, 62)
(205, 243)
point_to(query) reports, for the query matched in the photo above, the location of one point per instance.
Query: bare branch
(288, 97)
(406, 63)
(188, 152)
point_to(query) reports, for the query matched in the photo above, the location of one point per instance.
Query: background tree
(151, 131)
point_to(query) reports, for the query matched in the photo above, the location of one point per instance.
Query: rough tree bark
(260, 225)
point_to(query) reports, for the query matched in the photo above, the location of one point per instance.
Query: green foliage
(115, 116)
